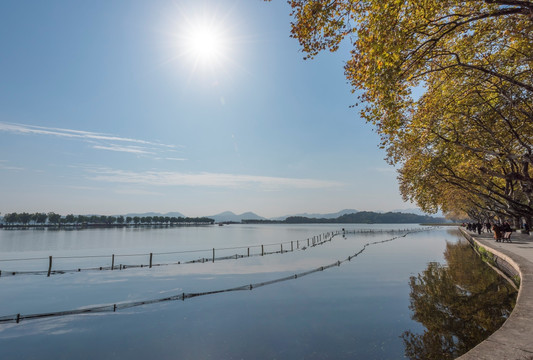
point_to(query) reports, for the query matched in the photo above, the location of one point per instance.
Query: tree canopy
(447, 84)
(36, 219)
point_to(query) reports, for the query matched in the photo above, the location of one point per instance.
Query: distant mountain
(320, 216)
(415, 211)
(230, 216)
(368, 217)
(170, 214)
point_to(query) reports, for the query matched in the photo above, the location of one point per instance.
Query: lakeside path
(514, 340)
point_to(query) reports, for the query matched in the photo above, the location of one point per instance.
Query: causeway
(514, 340)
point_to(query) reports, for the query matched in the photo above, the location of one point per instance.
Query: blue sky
(200, 107)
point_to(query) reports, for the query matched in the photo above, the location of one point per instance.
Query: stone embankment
(514, 340)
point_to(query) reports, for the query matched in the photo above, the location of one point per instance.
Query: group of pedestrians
(501, 231)
(479, 227)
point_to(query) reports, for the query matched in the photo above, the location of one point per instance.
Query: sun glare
(205, 43)
(204, 40)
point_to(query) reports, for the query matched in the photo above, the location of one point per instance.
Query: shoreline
(95, 226)
(514, 339)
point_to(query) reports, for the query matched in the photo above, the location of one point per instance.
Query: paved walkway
(514, 340)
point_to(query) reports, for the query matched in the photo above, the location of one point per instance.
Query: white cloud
(137, 192)
(101, 141)
(4, 166)
(90, 188)
(206, 179)
(128, 149)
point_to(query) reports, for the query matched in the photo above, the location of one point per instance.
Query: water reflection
(353, 311)
(459, 305)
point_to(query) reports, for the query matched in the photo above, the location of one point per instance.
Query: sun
(205, 43)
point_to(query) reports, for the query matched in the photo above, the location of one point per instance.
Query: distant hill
(416, 211)
(347, 216)
(369, 217)
(362, 217)
(320, 216)
(228, 216)
(170, 214)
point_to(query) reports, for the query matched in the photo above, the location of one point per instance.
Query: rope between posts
(331, 234)
(25, 259)
(132, 266)
(327, 237)
(363, 231)
(125, 305)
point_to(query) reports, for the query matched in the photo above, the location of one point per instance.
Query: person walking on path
(497, 232)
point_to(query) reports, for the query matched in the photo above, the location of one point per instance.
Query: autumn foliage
(448, 85)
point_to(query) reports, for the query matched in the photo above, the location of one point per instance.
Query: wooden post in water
(297, 244)
(112, 261)
(213, 254)
(282, 248)
(262, 250)
(292, 246)
(49, 265)
(307, 241)
(248, 252)
(151, 260)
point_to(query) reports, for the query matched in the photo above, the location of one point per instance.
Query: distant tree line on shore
(362, 217)
(53, 219)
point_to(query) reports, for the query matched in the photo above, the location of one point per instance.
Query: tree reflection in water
(460, 305)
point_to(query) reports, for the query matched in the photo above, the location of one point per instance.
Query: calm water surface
(380, 305)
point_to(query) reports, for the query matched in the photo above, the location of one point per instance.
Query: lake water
(382, 304)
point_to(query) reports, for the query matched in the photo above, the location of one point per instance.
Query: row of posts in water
(314, 241)
(124, 305)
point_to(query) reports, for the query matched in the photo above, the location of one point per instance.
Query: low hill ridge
(361, 217)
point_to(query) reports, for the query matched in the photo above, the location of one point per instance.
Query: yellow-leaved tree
(464, 143)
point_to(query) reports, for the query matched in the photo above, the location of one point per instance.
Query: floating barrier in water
(379, 231)
(316, 240)
(125, 305)
(311, 242)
